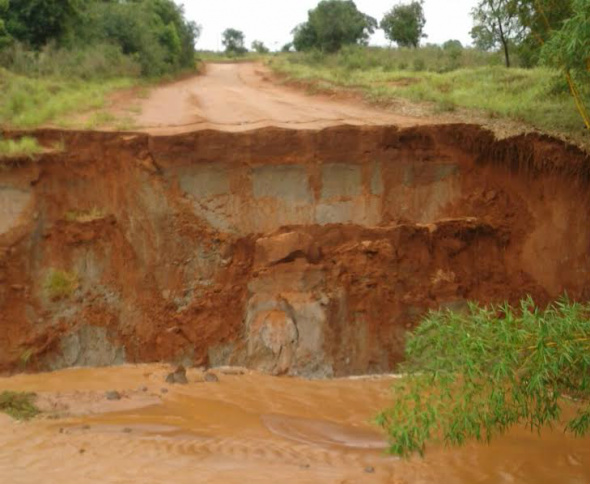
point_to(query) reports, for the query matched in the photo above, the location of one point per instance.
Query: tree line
(154, 34)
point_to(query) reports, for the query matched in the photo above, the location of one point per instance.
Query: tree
(333, 24)
(454, 50)
(36, 22)
(5, 38)
(259, 47)
(452, 45)
(404, 24)
(474, 375)
(568, 49)
(496, 24)
(234, 42)
(155, 32)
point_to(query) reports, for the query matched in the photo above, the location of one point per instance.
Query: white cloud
(272, 20)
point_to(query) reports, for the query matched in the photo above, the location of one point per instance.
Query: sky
(272, 21)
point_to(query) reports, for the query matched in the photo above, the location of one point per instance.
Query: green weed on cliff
(85, 216)
(16, 148)
(60, 284)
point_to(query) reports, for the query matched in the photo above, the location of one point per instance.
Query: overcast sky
(272, 20)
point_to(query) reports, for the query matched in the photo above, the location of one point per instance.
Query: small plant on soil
(85, 216)
(25, 146)
(19, 405)
(60, 284)
(25, 357)
(471, 376)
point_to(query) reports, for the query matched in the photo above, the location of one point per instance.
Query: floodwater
(247, 428)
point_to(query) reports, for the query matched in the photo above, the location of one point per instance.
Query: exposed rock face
(298, 252)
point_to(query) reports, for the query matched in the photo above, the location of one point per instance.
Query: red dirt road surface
(237, 97)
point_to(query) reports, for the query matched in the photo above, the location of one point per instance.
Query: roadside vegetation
(57, 58)
(19, 405)
(447, 79)
(472, 376)
(530, 61)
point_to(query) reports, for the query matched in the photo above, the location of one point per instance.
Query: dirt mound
(300, 252)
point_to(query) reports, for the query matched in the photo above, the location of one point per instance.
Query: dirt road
(242, 96)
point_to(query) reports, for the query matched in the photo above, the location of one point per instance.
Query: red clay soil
(239, 97)
(301, 252)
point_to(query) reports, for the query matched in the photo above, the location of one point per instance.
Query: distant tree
(234, 42)
(454, 50)
(404, 24)
(259, 47)
(497, 24)
(305, 37)
(36, 22)
(333, 24)
(288, 47)
(452, 44)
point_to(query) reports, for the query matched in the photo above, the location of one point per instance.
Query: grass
(537, 97)
(29, 102)
(21, 147)
(60, 284)
(19, 405)
(85, 216)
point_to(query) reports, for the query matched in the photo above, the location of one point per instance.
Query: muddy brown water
(248, 428)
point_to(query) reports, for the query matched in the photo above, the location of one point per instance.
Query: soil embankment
(304, 252)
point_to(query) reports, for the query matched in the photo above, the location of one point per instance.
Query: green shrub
(19, 405)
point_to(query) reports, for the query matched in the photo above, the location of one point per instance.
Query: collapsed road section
(304, 252)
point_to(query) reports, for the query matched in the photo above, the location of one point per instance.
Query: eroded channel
(304, 253)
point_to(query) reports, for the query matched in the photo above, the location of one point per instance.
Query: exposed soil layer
(292, 252)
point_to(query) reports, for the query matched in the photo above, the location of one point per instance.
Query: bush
(96, 39)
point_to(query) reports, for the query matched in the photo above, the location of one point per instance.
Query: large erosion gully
(293, 252)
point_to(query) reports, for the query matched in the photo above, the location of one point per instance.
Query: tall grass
(33, 101)
(470, 79)
(99, 61)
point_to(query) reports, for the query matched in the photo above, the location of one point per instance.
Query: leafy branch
(474, 375)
